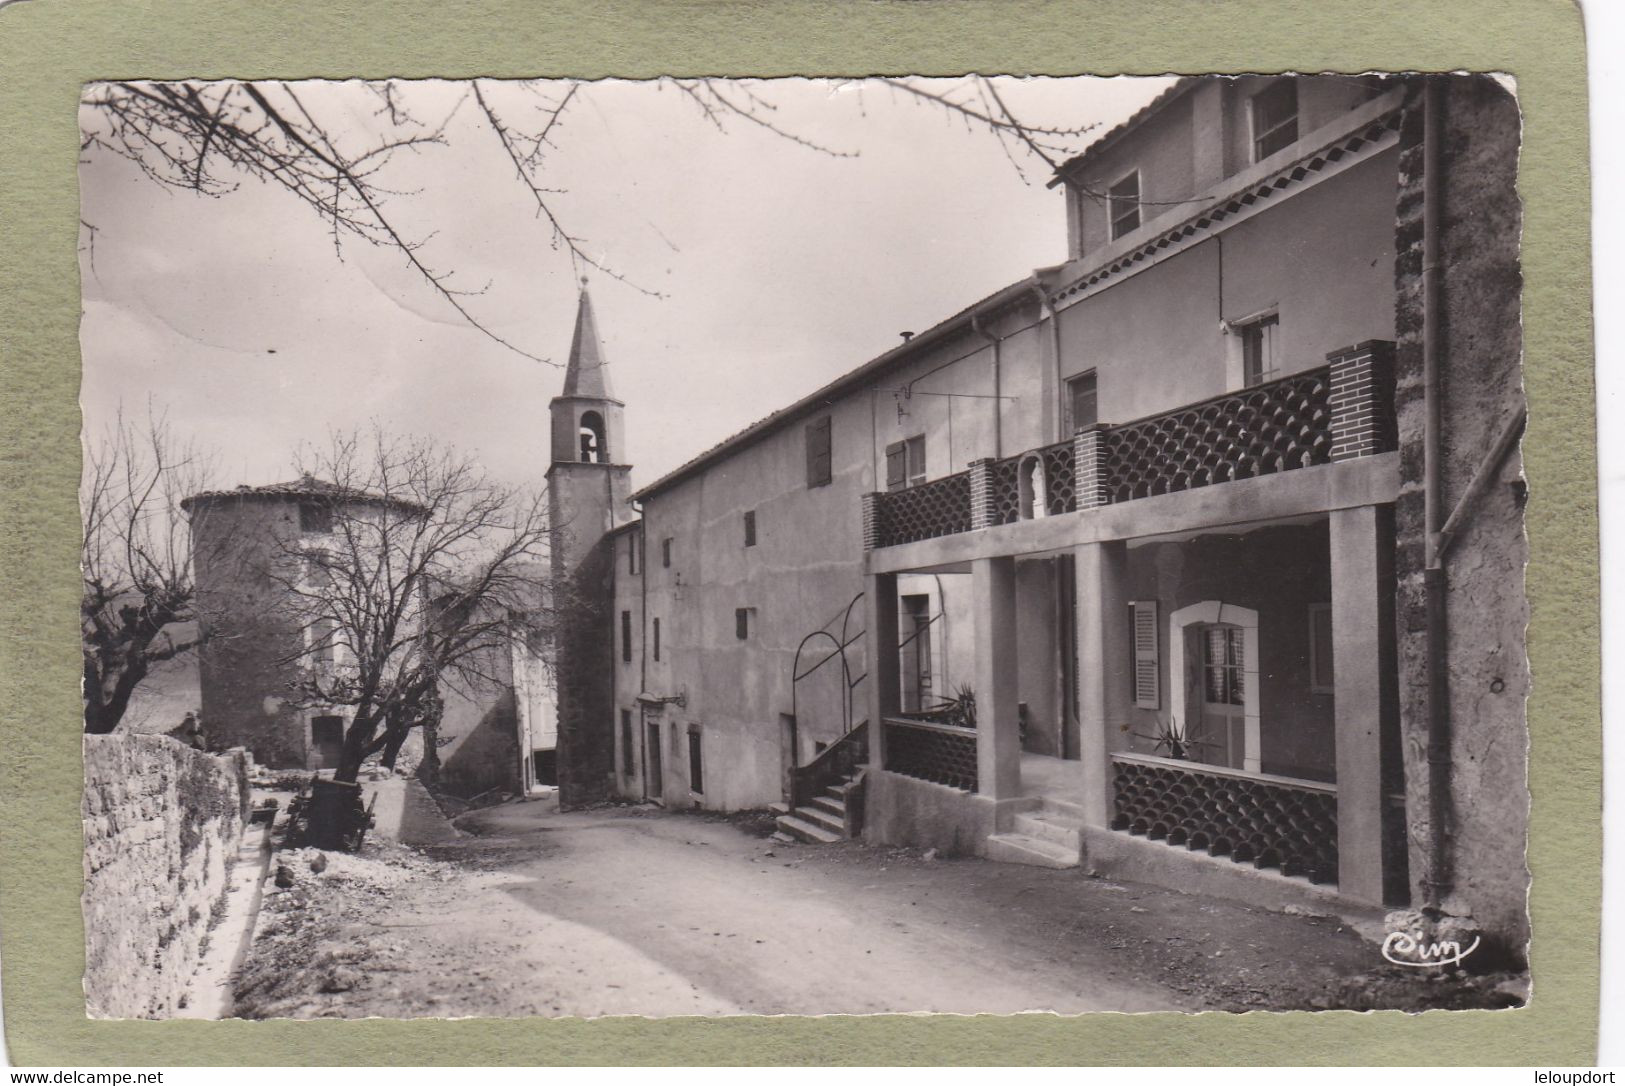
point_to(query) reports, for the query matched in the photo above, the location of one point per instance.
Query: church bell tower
(589, 491)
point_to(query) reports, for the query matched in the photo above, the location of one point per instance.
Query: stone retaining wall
(162, 823)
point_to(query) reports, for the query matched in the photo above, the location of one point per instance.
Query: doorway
(653, 770)
(915, 663)
(326, 741)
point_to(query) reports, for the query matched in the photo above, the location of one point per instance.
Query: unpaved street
(640, 911)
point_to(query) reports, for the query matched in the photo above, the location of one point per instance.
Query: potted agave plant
(1172, 739)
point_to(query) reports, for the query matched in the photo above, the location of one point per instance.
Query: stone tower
(588, 497)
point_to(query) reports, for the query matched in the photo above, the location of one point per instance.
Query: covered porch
(1225, 693)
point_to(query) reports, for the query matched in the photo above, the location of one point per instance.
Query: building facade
(1119, 567)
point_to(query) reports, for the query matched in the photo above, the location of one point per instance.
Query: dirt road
(639, 911)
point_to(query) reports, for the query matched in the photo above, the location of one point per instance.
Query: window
(1259, 350)
(628, 761)
(324, 641)
(1082, 406)
(1321, 676)
(632, 541)
(1145, 673)
(696, 774)
(1223, 661)
(315, 517)
(905, 463)
(818, 453)
(626, 637)
(750, 528)
(665, 553)
(1275, 118)
(654, 636)
(742, 623)
(1123, 205)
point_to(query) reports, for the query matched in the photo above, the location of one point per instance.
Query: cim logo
(1403, 949)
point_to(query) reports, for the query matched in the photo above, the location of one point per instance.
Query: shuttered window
(1147, 682)
(896, 466)
(818, 453)
(656, 632)
(905, 463)
(626, 637)
(750, 528)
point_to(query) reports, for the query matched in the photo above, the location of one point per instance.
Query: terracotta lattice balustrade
(1251, 818)
(940, 753)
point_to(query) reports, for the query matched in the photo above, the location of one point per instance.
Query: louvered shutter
(818, 452)
(897, 466)
(1147, 682)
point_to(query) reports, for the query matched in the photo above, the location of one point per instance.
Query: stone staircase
(1047, 835)
(823, 820)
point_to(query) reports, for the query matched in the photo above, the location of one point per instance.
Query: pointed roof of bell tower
(587, 374)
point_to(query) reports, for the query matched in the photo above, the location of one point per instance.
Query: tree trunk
(392, 746)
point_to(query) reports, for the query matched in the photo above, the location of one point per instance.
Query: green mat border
(49, 47)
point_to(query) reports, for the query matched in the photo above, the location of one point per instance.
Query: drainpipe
(998, 390)
(1054, 413)
(1434, 582)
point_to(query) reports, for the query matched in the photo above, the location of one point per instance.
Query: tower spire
(586, 374)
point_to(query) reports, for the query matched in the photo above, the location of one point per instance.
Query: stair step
(805, 831)
(1049, 826)
(832, 822)
(779, 808)
(839, 789)
(1018, 848)
(835, 807)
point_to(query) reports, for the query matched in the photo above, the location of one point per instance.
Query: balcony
(1340, 411)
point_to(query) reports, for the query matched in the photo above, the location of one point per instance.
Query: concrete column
(998, 736)
(1103, 668)
(1364, 684)
(882, 685)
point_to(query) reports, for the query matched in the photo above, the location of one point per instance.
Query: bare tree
(139, 607)
(427, 572)
(206, 137)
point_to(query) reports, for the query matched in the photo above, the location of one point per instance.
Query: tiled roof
(1183, 84)
(306, 486)
(826, 395)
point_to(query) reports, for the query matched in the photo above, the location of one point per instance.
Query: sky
(776, 268)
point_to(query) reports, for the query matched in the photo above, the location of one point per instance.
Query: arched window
(593, 449)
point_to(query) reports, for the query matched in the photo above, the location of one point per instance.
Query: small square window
(315, 517)
(665, 553)
(750, 528)
(1275, 118)
(1123, 205)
